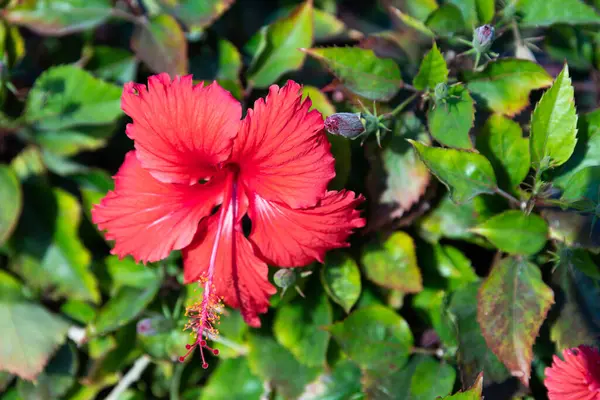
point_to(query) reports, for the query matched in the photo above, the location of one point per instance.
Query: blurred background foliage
(493, 271)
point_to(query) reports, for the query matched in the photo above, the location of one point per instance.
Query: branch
(130, 377)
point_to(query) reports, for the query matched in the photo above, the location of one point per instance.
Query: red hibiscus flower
(575, 378)
(198, 171)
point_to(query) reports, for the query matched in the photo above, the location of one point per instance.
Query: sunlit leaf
(583, 186)
(465, 174)
(446, 20)
(361, 71)
(196, 14)
(279, 50)
(515, 232)
(433, 70)
(536, 13)
(503, 144)
(340, 277)
(513, 303)
(472, 393)
(393, 263)
(450, 121)
(554, 124)
(161, 44)
(505, 84)
(475, 12)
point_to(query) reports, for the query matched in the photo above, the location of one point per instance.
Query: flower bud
(483, 38)
(441, 91)
(348, 125)
(284, 278)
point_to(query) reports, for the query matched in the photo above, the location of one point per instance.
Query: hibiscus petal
(240, 277)
(295, 237)
(181, 131)
(282, 150)
(147, 218)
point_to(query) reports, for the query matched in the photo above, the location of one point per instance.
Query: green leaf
(454, 266)
(59, 17)
(30, 334)
(279, 50)
(340, 277)
(587, 149)
(475, 12)
(361, 71)
(299, 326)
(60, 99)
(161, 44)
(449, 220)
(554, 124)
(515, 232)
(10, 288)
(431, 379)
(474, 355)
(398, 178)
(421, 9)
(584, 186)
(11, 199)
(374, 337)
(503, 144)
(446, 20)
(113, 64)
(392, 263)
(127, 272)
(433, 70)
(326, 25)
(56, 379)
(472, 393)
(572, 12)
(68, 142)
(341, 383)
(432, 304)
(450, 121)
(230, 66)
(505, 84)
(414, 23)
(220, 383)
(273, 363)
(574, 229)
(79, 311)
(93, 186)
(50, 254)
(513, 303)
(465, 174)
(123, 307)
(233, 328)
(28, 163)
(196, 14)
(569, 44)
(423, 378)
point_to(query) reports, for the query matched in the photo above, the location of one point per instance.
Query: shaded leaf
(11, 199)
(340, 277)
(433, 70)
(446, 20)
(374, 337)
(230, 66)
(93, 185)
(417, 24)
(59, 17)
(398, 178)
(113, 64)
(30, 334)
(536, 14)
(393, 263)
(505, 84)
(279, 48)
(515, 232)
(161, 44)
(474, 355)
(361, 71)
(326, 25)
(196, 14)
(584, 187)
(513, 303)
(127, 272)
(554, 124)
(299, 327)
(272, 362)
(68, 142)
(573, 229)
(465, 174)
(503, 144)
(475, 12)
(433, 305)
(341, 383)
(219, 385)
(450, 122)
(50, 254)
(453, 265)
(421, 9)
(60, 99)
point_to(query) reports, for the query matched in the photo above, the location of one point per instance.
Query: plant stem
(509, 197)
(400, 107)
(130, 377)
(239, 348)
